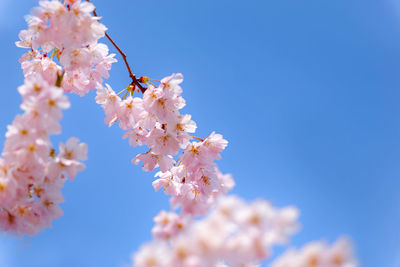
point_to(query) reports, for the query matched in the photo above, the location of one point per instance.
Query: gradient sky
(306, 92)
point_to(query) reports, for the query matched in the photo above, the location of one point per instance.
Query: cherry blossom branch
(32, 174)
(135, 81)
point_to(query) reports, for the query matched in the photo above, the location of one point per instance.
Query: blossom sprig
(32, 173)
(69, 31)
(62, 37)
(194, 181)
(234, 234)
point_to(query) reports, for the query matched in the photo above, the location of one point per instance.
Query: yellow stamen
(206, 180)
(37, 88)
(47, 203)
(11, 218)
(198, 138)
(338, 260)
(313, 261)
(52, 103)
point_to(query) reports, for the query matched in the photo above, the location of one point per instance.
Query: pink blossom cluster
(31, 173)
(66, 31)
(319, 254)
(193, 180)
(234, 234)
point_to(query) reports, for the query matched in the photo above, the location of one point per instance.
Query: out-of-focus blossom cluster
(169, 224)
(66, 31)
(31, 172)
(193, 180)
(234, 234)
(319, 254)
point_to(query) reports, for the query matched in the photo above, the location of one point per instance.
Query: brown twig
(135, 81)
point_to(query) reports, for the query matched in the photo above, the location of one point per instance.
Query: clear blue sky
(307, 93)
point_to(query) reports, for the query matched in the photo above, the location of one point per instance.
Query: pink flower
(136, 136)
(20, 132)
(151, 160)
(213, 145)
(162, 143)
(110, 102)
(41, 67)
(27, 155)
(151, 255)
(47, 207)
(52, 101)
(73, 150)
(192, 156)
(8, 190)
(26, 37)
(171, 83)
(168, 225)
(130, 112)
(157, 103)
(181, 127)
(69, 158)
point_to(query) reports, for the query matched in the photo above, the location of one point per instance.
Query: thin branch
(135, 81)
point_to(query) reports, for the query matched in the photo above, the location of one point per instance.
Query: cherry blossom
(168, 225)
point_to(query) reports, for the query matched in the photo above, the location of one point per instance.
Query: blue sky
(306, 92)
